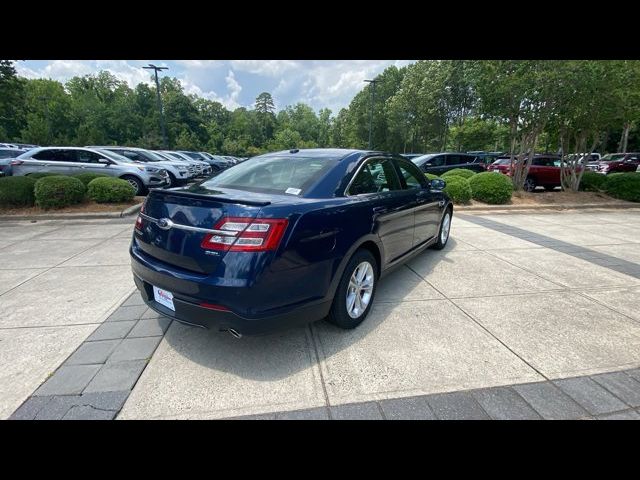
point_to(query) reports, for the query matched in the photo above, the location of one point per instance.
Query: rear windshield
(280, 175)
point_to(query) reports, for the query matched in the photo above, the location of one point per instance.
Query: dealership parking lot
(515, 299)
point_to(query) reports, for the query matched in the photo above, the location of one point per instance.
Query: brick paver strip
(413, 408)
(590, 395)
(456, 406)
(623, 386)
(112, 330)
(504, 403)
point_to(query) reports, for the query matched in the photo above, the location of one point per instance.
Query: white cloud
(200, 63)
(271, 68)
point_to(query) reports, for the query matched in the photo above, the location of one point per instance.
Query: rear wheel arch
(372, 247)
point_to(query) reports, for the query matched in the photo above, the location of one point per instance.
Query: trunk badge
(164, 223)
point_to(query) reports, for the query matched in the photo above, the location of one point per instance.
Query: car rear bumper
(188, 309)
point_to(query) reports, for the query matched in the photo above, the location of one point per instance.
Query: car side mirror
(437, 184)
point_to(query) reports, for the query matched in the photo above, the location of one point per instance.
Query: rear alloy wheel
(529, 184)
(356, 290)
(443, 233)
(135, 183)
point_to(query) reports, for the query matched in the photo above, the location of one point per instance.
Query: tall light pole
(155, 69)
(373, 99)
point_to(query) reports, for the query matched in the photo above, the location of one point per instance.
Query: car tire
(529, 184)
(172, 180)
(341, 314)
(136, 183)
(443, 231)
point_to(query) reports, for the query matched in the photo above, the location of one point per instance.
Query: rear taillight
(258, 235)
(139, 219)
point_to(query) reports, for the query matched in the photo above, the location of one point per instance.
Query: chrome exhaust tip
(234, 333)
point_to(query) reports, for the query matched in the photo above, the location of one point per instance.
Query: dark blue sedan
(285, 238)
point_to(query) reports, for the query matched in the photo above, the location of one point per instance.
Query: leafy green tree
(11, 100)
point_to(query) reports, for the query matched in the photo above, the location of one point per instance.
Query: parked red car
(544, 171)
(616, 162)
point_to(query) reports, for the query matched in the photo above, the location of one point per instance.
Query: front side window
(85, 156)
(376, 176)
(412, 176)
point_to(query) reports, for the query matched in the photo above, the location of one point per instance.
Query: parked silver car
(73, 160)
(191, 168)
(178, 172)
(6, 155)
(202, 168)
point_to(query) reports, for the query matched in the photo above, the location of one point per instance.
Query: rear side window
(51, 155)
(375, 176)
(280, 175)
(453, 160)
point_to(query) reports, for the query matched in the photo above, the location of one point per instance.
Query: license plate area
(163, 297)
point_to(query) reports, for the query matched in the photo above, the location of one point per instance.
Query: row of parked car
(142, 168)
(544, 170)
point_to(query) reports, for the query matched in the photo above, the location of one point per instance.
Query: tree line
(507, 105)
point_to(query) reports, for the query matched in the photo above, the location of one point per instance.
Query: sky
(236, 83)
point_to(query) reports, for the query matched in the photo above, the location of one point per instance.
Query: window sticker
(293, 191)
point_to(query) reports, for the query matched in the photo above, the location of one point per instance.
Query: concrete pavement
(58, 281)
(521, 316)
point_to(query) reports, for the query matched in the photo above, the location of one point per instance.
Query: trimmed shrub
(459, 172)
(592, 181)
(431, 176)
(458, 189)
(87, 177)
(38, 175)
(58, 191)
(110, 190)
(17, 191)
(491, 188)
(625, 186)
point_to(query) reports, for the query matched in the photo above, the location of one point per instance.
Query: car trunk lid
(174, 224)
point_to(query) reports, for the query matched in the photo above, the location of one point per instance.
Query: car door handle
(380, 209)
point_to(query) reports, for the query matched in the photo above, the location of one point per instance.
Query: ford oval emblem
(164, 223)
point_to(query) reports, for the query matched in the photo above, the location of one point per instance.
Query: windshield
(152, 156)
(273, 175)
(612, 157)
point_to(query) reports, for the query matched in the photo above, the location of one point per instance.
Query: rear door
(427, 203)
(51, 160)
(377, 183)
(451, 162)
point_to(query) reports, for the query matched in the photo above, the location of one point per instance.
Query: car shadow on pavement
(283, 354)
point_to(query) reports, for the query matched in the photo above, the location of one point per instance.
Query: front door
(427, 203)
(392, 206)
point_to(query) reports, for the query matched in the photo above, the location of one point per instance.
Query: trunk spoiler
(183, 193)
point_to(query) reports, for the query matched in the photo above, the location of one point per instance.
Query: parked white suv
(73, 160)
(178, 171)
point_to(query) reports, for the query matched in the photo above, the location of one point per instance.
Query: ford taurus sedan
(285, 238)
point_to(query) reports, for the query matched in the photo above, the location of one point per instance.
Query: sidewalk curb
(75, 216)
(561, 206)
